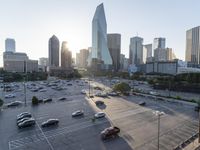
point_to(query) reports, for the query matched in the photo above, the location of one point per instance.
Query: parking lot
(138, 124)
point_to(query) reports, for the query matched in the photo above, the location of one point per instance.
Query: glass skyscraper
(192, 53)
(10, 45)
(100, 53)
(54, 51)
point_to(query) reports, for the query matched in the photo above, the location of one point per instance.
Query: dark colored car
(77, 113)
(99, 102)
(50, 122)
(69, 84)
(15, 103)
(62, 98)
(27, 123)
(142, 103)
(47, 100)
(109, 132)
(197, 108)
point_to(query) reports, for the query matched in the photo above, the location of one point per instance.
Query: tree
(124, 88)
(1, 102)
(35, 100)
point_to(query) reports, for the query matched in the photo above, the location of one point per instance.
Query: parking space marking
(16, 144)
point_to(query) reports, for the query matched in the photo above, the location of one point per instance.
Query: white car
(83, 92)
(10, 96)
(99, 115)
(43, 90)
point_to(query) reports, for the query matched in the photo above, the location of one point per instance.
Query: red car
(109, 132)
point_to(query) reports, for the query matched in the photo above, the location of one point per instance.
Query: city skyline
(32, 27)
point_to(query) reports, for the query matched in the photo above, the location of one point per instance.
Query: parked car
(77, 113)
(24, 116)
(99, 102)
(22, 120)
(112, 94)
(43, 90)
(27, 123)
(46, 100)
(99, 115)
(10, 96)
(109, 132)
(50, 122)
(62, 98)
(15, 103)
(83, 92)
(142, 103)
(197, 108)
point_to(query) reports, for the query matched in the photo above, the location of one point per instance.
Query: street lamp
(158, 113)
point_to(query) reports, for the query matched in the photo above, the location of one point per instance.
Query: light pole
(158, 113)
(199, 124)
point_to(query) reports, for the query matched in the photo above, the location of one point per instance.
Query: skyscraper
(114, 46)
(54, 51)
(147, 52)
(10, 45)
(66, 56)
(100, 54)
(136, 50)
(159, 43)
(192, 53)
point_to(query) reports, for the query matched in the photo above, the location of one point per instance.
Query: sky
(32, 22)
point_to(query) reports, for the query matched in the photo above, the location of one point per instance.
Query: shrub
(178, 97)
(124, 88)
(1, 102)
(35, 100)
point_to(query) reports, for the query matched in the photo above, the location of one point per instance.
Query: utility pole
(199, 125)
(158, 131)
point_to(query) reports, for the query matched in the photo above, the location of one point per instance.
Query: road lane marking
(15, 144)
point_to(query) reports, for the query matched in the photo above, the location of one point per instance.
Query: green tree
(34, 100)
(1, 102)
(124, 88)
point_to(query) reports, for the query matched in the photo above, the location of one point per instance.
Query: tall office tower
(43, 61)
(78, 59)
(160, 54)
(147, 52)
(100, 56)
(83, 56)
(159, 43)
(114, 46)
(169, 54)
(66, 56)
(192, 53)
(136, 50)
(54, 51)
(10, 45)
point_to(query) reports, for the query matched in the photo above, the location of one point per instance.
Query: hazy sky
(32, 22)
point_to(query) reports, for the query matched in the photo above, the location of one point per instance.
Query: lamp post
(158, 113)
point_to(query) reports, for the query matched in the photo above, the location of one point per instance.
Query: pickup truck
(109, 132)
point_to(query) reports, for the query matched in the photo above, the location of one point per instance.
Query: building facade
(66, 56)
(136, 51)
(159, 43)
(114, 46)
(192, 53)
(147, 52)
(10, 45)
(19, 62)
(100, 54)
(54, 51)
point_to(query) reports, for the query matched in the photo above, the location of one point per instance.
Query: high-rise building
(160, 54)
(114, 46)
(147, 52)
(78, 59)
(100, 56)
(159, 43)
(43, 61)
(192, 53)
(83, 56)
(136, 50)
(170, 54)
(9, 45)
(54, 51)
(66, 56)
